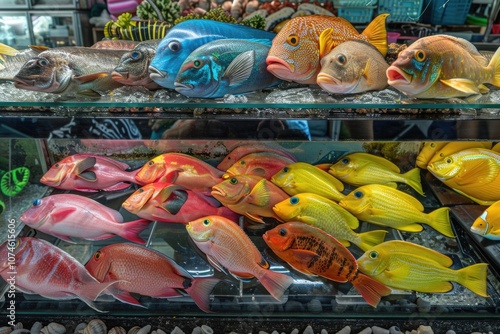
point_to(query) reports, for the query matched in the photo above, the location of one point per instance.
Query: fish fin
(473, 277)
(89, 92)
(64, 237)
(463, 85)
(260, 194)
(254, 217)
(413, 179)
(371, 238)
(172, 176)
(94, 290)
(377, 160)
(85, 164)
(326, 42)
(393, 185)
(124, 297)
(240, 69)
(200, 290)
(344, 242)
(377, 33)
(408, 248)
(267, 42)
(130, 230)
(365, 72)
(88, 176)
(400, 272)
(411, 228)
(118, 186)
(176, 199)
(495, 65)
(483, 89)
(309, 220)
(63, 213)
(8, 50)
(484, 170)
(90, 77)
(38, 48)
(477, 200)
(214, 263)
(370, 289)
(276, 283)
(242, 276)
(304, 255)
(440, 221)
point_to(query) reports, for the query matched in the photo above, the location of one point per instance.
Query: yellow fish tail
(440, 221)
(495, 64)
(371, 239)
(377, 33)
(412, 178)
(473, 278)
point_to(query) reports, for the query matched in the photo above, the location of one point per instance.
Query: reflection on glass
(8, 4)
(14, 31)
(53, 31)
(52, 3)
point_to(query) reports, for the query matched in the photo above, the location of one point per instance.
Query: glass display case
(133, 126)
(14, 29)
(56, 29)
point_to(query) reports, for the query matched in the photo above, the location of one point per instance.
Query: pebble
(367, 330)
(345, 330)
(308, 330)
(314, 306)
(379, 330)
(423, 305)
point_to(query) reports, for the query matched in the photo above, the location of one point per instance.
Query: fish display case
(133, 126)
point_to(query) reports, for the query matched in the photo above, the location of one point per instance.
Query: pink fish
(88, 172)
(180, 169)
(68, 215)
(170, 203)
(264, 164)
(43, 269)
(238, 152)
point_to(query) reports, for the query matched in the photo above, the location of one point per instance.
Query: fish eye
(293, 40)
(345, 161)
(242, 162)
(56, 165)
(419, 55)
(97, 255)
(449, 161)
(282, 231)
(206, 222)
(433, 145)
(286, 169)
(234, 181)
(358, 194)
(373, 255)
(150, 163)
(140, 190)
(341, 59)
(43, 62)
(135, 55)
(37, 202)
(294, 200)
(18, 242)
(174, 46)
(197, 63)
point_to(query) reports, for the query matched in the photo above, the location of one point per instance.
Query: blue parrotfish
(227, 66)
(186, 36)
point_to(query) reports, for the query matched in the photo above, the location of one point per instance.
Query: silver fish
(11, 60)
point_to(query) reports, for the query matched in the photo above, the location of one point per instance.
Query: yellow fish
(359, 169)
(328, 216)
(487, 224)
(383, 205)
(427, 152)
(453, 147)
(404, 265)
(474, 173)
(301, 177)
(295, 52)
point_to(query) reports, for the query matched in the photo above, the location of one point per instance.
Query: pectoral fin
(240, 68)
(478, 172)
(259, 195)
(398, 273)
(85, 164)
(462, 85)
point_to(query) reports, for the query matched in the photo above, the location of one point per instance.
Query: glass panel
(8, 4)
(14, 30)
(54, 30)
(54, 4)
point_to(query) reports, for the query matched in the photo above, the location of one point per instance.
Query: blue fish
(227, 66)
(188, 35)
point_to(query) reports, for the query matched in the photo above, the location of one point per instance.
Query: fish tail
(7, 50)
(130, 230)
(412, 178)
(495, 64)
(377, 33)
(200, 292)
(91, 291)
(276, 283)
(370, 289)
(370, 239)
(473, 277)
(440, 221)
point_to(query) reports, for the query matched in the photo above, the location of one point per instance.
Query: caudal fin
(377, 33)
(276, 283)
(371, 238)
(413, 179)
(440, 221)
(91, 291)
(131, 230)
(473, 278)
(370, 289)
(495, 65)
(200, 292)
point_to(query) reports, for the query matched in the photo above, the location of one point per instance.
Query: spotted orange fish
(296, 51)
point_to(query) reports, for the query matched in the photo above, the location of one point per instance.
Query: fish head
(285, 178)
(135, 202)
(339, 73)
(240, 167)
(280, 238)
(357, 201)
(231, 190)
(344, 167)
(133, 68)
(290, 208)
(152, 170)
(99, 264)
(480, 225)
(45, 73)
(415, 70)
(199, 75)
(446, 168)
(59, 172)
(39, 212)
(427, 152)
(294, 53)
(202, 229)
(373, 262)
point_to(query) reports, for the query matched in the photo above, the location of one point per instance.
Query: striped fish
(138, 31)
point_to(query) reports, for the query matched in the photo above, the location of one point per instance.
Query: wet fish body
(453, 147)
(169, 203)
(241, 150)
(227, 66)
(147, 272)
(185, 37)
(427, 152)
(386, 206)
(44, 269)
(408, 266)
(69, 216)
(312, 251)
(353, 67)
(487, 224)
(228, 247)
(264, 164)
(443, 66)
(89, 173)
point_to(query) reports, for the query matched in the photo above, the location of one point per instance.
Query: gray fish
(11, 60)
(70, 71)
(133, 68)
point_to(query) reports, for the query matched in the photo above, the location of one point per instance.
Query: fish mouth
(396, 76)
(279, 68)
(333, 84)
(24, 84)
(119, 76)
(157, 74)
(180, 87)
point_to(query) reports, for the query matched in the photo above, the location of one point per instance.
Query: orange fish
(240, 151)
(296, 50)
(249, 195)
(180, 169)
(314, 252)
(147, 272)
(227, 246)
(263, 164)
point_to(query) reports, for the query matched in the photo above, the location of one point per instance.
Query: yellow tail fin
(371, 238)
(440, 221)
(377, 33)
(495, 64)
(8, 50)
(474, 278)
(413, 179)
